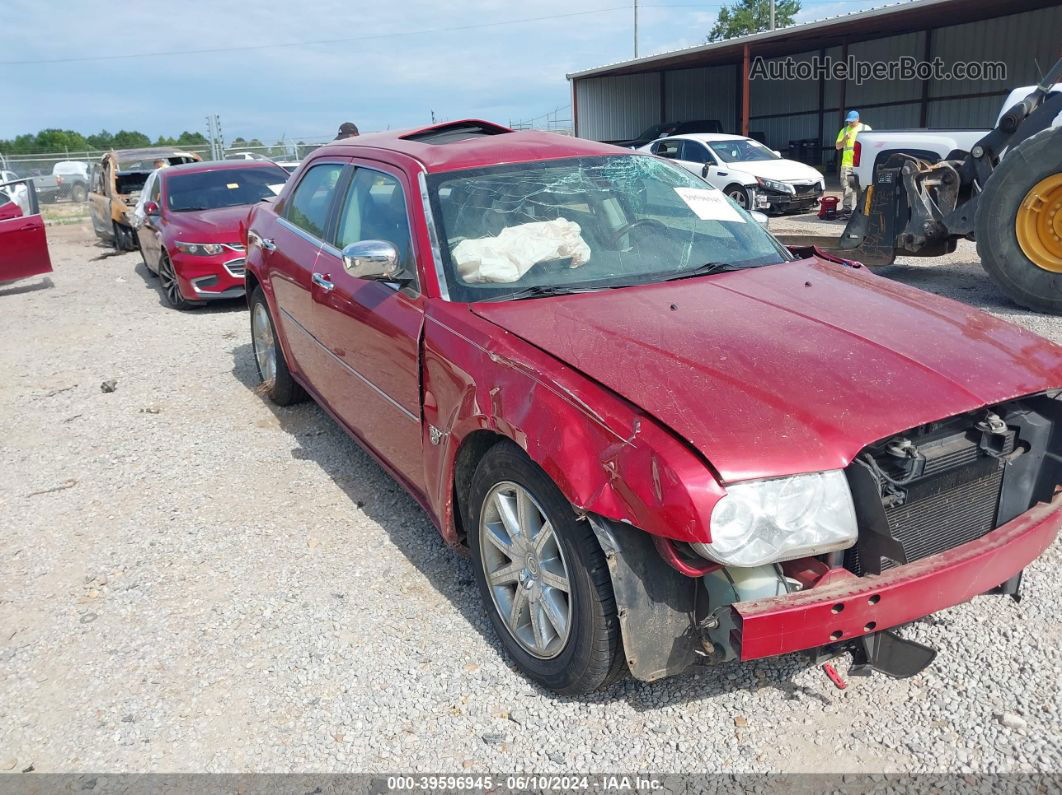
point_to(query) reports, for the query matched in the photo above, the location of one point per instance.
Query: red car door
(290, 245)
(23, 244)
(371, 328)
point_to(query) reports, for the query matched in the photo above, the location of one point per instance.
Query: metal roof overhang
(865, 25)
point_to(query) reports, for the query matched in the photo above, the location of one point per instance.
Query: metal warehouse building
(712, 81)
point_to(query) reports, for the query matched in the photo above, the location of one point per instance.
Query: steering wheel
(636, 223)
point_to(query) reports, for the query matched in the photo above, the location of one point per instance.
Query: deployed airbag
(511, 254)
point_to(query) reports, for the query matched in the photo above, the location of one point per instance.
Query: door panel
(296, 242)
(149, 235)
(23, 244)
(371, 329)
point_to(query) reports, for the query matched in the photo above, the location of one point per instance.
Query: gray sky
(398, 60)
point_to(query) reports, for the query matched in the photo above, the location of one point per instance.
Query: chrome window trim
(433, 236)
(298, 230)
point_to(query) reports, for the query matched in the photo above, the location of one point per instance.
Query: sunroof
(457, 131)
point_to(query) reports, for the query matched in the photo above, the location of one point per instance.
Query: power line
(370, 37)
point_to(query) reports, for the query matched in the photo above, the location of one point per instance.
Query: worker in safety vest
(846, 140)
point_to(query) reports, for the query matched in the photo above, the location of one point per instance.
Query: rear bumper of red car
(853, 607)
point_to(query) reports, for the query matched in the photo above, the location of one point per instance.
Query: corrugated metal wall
(705, 93)
(613, 108)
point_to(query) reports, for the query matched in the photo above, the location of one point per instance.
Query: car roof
(707, 138)
(219, 165)
(442, 147)
(150, 151)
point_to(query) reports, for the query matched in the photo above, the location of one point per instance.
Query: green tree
(752, 16)
(130, 139)
(192, 139)
(101, 140)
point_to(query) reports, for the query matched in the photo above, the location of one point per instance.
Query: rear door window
(309, 203)
(669, 149)
(694, 152)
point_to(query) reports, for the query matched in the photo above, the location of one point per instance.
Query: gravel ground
(197, 581)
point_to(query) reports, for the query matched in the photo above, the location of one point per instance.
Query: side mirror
(151, 208)
(704, 172)
(776, 153)
(372, 259)
(761, 219)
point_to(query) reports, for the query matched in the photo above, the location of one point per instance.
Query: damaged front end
(945, 512)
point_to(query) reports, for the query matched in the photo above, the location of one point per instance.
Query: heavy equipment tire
(1019, 223)
(527, 543)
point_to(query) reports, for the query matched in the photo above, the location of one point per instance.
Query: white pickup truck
(874, 147)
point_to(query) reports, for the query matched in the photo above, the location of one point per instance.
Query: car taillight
(58, 180)
(855, 153)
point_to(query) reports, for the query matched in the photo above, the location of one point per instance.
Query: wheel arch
(605, 455)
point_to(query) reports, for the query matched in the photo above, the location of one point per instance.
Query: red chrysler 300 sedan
(665, 438)
(192, 232)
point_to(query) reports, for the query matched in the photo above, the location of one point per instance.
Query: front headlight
(200, 249)
(767, 521)
(773, 184)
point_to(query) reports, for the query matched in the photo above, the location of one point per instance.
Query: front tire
(740, 195)
(171, 288)
(542, 576)
(269, 356)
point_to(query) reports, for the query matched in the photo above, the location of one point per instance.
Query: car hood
(224, 225)
(788, 368)
(787, 170)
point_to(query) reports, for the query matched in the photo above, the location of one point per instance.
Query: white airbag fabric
(511, 254)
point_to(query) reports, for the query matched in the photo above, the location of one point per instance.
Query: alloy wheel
(265, 351)
(741, 197)
(525, 570)
(169, 282)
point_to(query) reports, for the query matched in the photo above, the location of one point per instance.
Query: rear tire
(1023, 280)
(588, 653)
(269, 359)
(78, 194)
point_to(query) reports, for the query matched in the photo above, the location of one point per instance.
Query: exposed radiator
(953, 498)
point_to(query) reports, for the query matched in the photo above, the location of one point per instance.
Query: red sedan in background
(664, 437)
(192, 235)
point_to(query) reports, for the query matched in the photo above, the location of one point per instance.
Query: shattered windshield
(551, 226)
(739, 151)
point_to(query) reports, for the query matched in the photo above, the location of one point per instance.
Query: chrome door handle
(266, 243)
(322, 281)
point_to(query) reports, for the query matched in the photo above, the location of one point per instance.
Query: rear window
(308, 206)
(229, 187)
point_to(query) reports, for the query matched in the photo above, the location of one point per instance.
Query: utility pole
(772, 14)
(636, 26)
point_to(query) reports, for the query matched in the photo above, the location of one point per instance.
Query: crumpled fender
(606, 455)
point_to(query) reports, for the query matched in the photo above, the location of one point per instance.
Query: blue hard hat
(853, 115)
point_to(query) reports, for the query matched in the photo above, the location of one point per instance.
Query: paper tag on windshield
(233, 185)
(709, 205)
(276, 188)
